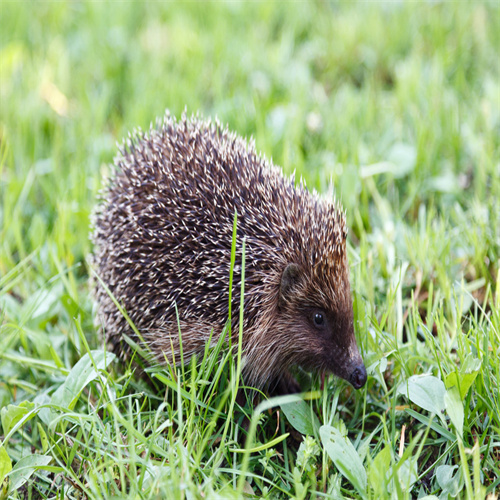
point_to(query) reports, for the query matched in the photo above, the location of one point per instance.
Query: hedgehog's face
(321, 324)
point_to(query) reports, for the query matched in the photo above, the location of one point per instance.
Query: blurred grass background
(394, 106)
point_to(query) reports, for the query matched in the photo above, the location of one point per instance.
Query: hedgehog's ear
(289, 278)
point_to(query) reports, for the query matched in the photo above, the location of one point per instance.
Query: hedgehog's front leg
(284, 384)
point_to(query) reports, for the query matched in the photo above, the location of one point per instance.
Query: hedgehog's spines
(163, 235)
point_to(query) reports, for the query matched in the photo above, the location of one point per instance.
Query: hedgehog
(163, 235)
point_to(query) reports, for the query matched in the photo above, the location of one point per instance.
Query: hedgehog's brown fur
(163, 235)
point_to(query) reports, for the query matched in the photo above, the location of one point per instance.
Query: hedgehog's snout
(358, 376)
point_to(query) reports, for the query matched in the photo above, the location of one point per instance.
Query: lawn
(392, 107)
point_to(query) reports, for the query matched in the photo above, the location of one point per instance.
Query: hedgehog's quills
(163, 235)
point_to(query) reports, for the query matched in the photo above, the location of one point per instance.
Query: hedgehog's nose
(358, 376)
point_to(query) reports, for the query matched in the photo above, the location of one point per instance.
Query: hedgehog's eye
(319, 319)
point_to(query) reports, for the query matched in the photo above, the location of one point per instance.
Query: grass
(399, 105)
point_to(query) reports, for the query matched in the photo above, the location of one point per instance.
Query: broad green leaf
(455, 408)
(301, 417)
(80, 376)
(5, 464)
(464, 378)
(23, 470)
(378, 470)
(70, 305)
(425, 391)
(12, 414)
(344, 456)
(451, 484)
